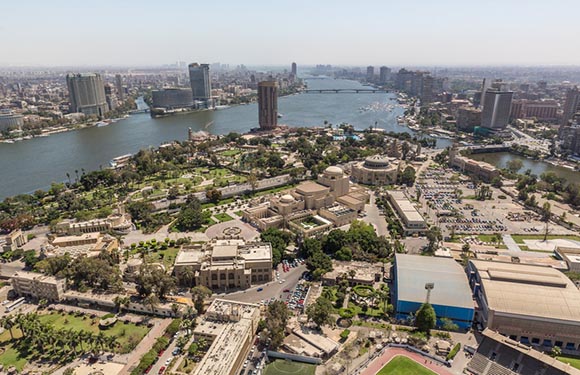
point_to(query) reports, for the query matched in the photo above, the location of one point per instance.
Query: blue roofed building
(449, 292)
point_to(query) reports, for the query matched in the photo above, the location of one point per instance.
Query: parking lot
(448, 201)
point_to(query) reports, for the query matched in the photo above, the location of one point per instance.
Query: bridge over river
(345, 91)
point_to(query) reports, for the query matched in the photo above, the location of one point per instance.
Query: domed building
(376, 170)
(313, 206)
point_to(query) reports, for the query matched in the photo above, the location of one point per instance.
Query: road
(374, 217)
(164, 357)
(272, 289)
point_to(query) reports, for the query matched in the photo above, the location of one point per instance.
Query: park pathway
(132, 359)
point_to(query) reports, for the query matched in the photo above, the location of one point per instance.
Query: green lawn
(281, 367)
(166, 257)
(401, 365)
(574, 362)
(239, 213)
(128, 334)
(233, 152)
(222, 217)
(11, 356)
(519, 238)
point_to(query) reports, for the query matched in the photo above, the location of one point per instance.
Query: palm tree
(7, 323)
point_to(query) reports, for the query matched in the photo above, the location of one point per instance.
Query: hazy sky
(407, 32)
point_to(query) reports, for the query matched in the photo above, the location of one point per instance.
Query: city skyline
(448, 33)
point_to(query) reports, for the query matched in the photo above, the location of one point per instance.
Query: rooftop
(451, 286)
(309, 187)
(528, 290)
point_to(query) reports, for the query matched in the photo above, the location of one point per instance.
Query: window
(535, 341)
(214, 277)
(570, 346)
(493, 356)
(559, 344)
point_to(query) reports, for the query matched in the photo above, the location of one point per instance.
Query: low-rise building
(468, 118)
(90, 244)
(531, 304)
(38, 286)
(313, 206)
(14, 240)
(409, 216)
(570, 255)
(376, 170)
(481, 169)
(357, 273)
(225, 263)
(440, 281)
(118, 222)
(229, 328)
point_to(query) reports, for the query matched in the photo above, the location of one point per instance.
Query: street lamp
(429, 287)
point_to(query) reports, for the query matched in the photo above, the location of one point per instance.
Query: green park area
(65, 336)
(282, 366)
(573, 361)
(223, 217)
(401, 365)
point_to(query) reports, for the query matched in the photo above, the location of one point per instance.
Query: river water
(500, 159)
(33, 164)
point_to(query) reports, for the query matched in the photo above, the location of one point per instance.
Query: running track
(389, 353)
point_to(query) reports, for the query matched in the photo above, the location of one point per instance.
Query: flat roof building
(38, 286)
(532, 304)
(411, 219)
(449, 295)
(226, 263)
(229, 327)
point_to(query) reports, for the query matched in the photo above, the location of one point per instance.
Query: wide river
(33, 164)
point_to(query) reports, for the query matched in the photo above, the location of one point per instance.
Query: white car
(168, 361)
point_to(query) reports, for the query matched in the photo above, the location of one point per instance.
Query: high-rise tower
(294, 69)
(87, 94)
(200, 82)
(268, 104)
(496, 109)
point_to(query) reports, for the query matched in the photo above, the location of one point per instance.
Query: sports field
(401, 365)
(282, 366)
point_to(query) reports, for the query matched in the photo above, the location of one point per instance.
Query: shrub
(363, 290)
(453, 351)
(347, 313)
(344, 334)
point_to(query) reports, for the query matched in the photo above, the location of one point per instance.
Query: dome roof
(377, 161)
(287, 198)
(333, 170)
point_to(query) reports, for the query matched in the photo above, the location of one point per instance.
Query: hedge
(162, 343)
(344, 334)
(453, 351)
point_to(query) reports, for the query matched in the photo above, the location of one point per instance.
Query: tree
(408, 176)
(198, 295)
(433, 236)
(320, 311)
(465, 249)
(514, 165)
(448, 325)
(425, 319)
(213, 195)
(276, 320)
(172, 193)
(191, 216)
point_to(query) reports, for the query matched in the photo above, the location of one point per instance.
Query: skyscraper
(294, 69)
(427, 90)
(268, 104)
(571, 105)
(496, 109)
(370, 73)
(384, 74)
(87, 94)
(200, 82)
(119, 87)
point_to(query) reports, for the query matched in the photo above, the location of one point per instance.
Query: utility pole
(429, 287)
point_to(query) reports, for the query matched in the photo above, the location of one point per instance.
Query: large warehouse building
(535, 305)
(415, 276)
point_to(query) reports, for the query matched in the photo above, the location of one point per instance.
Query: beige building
(14, 240)
(312, 207)
(118, 222)
(376, 170)
(411, 219)
(229, 328)
(90, 244)
(531, 304)
(571, 256)
(226, 263)
(481, 169)
(38, 286)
